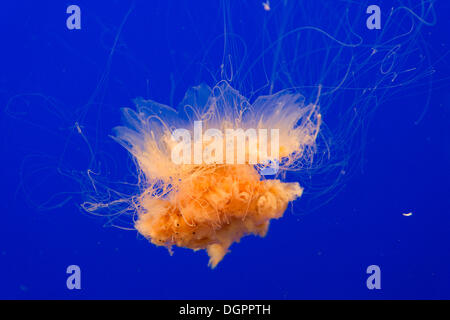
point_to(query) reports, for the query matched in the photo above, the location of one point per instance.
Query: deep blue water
(387, 121)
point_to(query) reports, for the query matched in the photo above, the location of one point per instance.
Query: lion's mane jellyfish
(210, 205)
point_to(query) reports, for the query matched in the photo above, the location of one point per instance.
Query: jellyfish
(212, 203)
